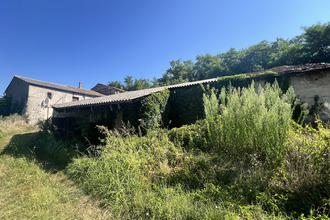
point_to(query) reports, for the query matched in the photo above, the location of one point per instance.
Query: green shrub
(124, 167)
(249, 123)
(303, 181)
(190, 137)
(59, 150)
(153, 109)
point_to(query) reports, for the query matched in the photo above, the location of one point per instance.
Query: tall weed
(126, 166)
(249, 123)
(13, 123)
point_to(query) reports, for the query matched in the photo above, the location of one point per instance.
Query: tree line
(312, 46)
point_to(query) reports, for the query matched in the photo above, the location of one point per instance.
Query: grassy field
(29, 191)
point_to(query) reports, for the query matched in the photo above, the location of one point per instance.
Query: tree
(231, 62)
(116, 84)
(256, 57)
(180, 71)
(207, 66)
(128, 80)
(317, 43)
(311, 46)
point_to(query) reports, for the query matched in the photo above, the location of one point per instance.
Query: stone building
(35, 97)
(42, 100)
(106, 90)
(185, 103)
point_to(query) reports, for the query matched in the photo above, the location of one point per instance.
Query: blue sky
(71, 41)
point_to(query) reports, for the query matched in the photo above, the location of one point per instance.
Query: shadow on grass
(31, 147)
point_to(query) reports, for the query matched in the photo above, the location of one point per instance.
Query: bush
(126, 165)
(248, 123)
(190, 137)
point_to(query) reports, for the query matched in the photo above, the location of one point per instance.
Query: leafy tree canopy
(312, 46)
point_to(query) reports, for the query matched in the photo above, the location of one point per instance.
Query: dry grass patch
(14, 124)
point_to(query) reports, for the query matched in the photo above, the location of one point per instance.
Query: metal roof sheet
(131, 95)
(126, 96)
(115, 98)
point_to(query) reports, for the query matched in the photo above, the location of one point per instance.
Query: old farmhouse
(36, 97)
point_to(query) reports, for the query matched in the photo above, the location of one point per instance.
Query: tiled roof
(106, 90)
(59, 87)
(303, 68)
(129, 96)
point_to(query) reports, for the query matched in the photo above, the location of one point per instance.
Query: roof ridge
(58, 86)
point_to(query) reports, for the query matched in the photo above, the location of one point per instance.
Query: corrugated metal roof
(115, 98)
(59, 87)
(193, 83)
(127, 96)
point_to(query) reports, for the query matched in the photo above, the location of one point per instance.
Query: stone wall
(40, 100)
(309, 85)
(18, 93)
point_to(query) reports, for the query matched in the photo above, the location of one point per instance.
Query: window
(74, 98)
(49, 95)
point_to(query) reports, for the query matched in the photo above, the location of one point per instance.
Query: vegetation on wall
(153, 110)
(186, 103)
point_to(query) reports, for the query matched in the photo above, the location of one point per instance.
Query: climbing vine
(153, 110)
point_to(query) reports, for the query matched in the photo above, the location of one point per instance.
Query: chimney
(80, 85)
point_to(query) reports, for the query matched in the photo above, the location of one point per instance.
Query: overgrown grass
(28, 191)
(12, 124)
(247, 159)
(134, 176)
